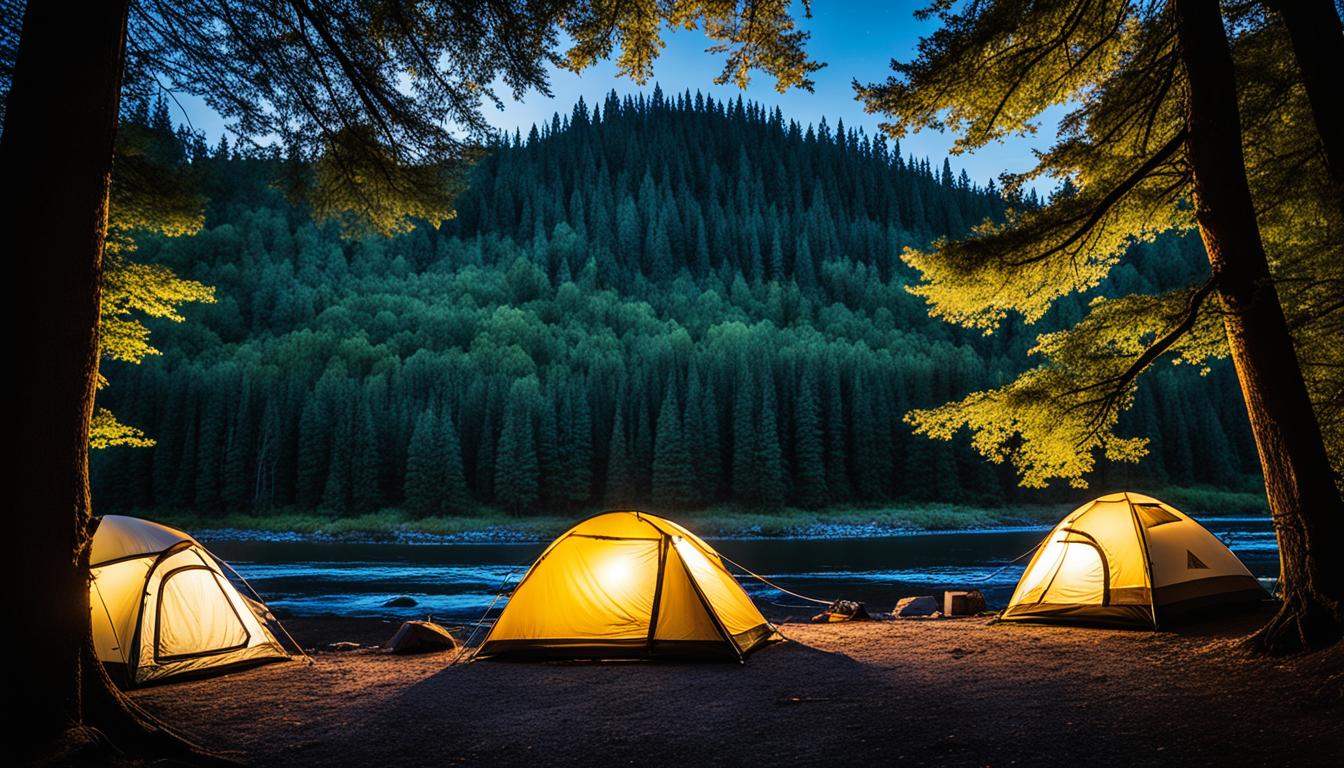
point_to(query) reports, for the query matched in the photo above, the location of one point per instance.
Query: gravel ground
(912, 692)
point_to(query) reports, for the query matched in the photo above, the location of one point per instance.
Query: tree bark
(1307, 510)
(1318, 45)
(56, 159)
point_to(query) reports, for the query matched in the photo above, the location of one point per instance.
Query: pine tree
(746, 478)
(313, 460)
(453, 496)
(774, 482)
(673, 473)
(336, 492)
(365, 495)
(517, 471)
(619, 493)
(236, 489)
(424, 469)
(837, 435)
(809, 487)
(579, 467)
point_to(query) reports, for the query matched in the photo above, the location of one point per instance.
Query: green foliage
(673, 469)
(363, 186)
(757, 34)
(989, 71)
(153, 192)
(524, 329)
(105, 431)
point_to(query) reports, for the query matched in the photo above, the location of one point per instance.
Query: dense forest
(667, 302)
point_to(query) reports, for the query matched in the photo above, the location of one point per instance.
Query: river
(455, 582)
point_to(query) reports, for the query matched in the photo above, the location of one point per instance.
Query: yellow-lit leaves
(132, 291)
(368, 188)
(105, 431)
(152, 189)
(752, 34)
(1050, 422)
(994, 66)
(1025, 424)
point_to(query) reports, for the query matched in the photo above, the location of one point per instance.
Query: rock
(963, 603)
(420, 637)
(344, 645)
(401, 601)
(924, 605)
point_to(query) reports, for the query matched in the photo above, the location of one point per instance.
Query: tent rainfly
(163, 607)
(1129, 560)
(628, 585)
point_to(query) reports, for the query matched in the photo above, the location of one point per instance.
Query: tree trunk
(1318, 44)
(1306, 506)
(56, 156)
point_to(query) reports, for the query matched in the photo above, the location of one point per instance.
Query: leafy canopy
(388, 96)
(991, 69)
(153, 192)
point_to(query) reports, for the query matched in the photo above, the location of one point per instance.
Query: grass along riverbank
(718, 521)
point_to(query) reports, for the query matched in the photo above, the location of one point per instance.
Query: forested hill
(664, 303)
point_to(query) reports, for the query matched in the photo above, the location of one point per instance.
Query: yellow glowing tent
(1130, 560)
(162, 605)
(628, 584)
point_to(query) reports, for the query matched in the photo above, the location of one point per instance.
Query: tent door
(194, 616)
(1082, 576)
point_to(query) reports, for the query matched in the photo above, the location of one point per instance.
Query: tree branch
(1117, 385)
(1111, 198)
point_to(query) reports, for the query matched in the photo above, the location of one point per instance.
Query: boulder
(421, 637)
(923, 605)
(401, 601)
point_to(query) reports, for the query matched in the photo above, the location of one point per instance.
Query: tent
(628, 584)
(162, 605)
(1130, 560)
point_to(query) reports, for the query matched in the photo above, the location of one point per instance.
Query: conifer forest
(667, 301)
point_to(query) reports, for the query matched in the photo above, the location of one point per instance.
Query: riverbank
(491, 526)
(932, 692)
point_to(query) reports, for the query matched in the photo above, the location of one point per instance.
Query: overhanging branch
(1111, 198)
(1117, 385)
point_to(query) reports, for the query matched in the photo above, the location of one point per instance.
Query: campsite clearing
(914, 692)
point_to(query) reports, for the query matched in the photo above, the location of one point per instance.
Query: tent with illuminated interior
(162, 606)
(628, 584)
(1130, 560)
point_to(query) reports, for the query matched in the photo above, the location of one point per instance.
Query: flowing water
(456, 582)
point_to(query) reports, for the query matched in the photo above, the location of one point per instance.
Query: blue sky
(856, 40)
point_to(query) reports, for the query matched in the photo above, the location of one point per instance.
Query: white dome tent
(163, 606)
(1129, 560)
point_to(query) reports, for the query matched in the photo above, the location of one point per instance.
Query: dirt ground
(913, 692)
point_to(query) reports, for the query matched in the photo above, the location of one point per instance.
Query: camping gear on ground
(1130, 560)
(963, 603)
(628, 585)
(162, 606)
(843, 610)
(907, 607)
(421, 637)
